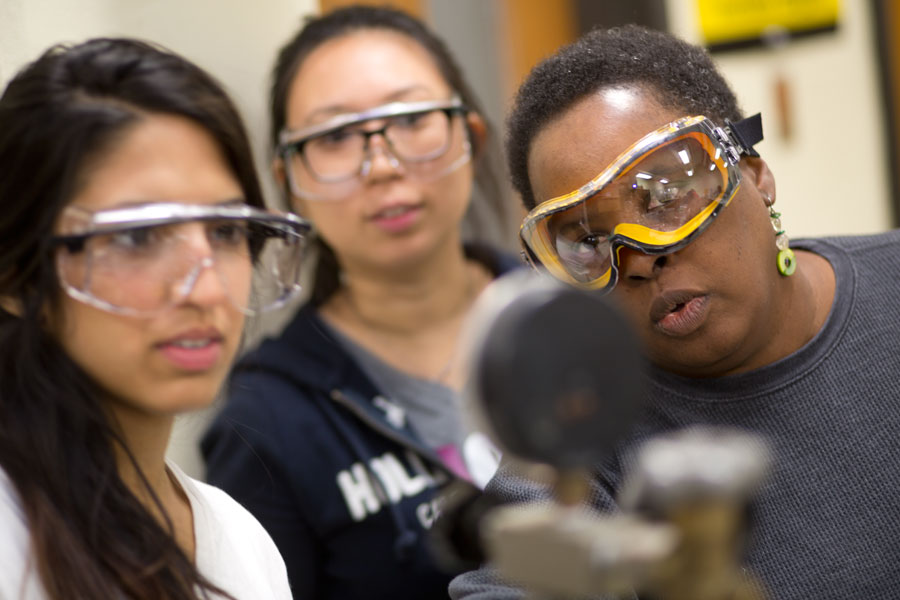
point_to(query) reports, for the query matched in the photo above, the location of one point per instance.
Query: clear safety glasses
(328, 161)
(656, 198)
(140, 260)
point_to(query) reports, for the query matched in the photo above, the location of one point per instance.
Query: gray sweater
(827, 522)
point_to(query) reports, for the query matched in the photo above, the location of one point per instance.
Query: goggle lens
(659, 194)
(147, 269)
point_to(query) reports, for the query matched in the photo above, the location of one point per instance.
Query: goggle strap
(746, 133)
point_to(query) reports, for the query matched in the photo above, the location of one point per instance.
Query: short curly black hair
(682, 75)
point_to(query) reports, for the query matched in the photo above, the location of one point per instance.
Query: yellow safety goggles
(656, 197)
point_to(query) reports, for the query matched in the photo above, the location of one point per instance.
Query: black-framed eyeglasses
(339, 150)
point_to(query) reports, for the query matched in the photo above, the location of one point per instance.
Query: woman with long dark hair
(338, 434)
(132, 230)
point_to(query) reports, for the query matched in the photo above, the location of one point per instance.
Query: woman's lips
(679, 313)
(194, 351)
(395, 219)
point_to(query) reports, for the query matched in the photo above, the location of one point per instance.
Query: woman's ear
(478, 132)
(757, 172)
(278, 172)
(280, 176)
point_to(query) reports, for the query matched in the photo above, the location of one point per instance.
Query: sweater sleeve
(244, 454)
(483, 584)
(486, 583)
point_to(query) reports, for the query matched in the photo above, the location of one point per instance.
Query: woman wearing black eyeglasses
(338, 434)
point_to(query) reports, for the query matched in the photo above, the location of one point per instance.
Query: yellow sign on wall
(731, 21)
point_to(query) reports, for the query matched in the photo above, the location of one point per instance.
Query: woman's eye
(134, 239)
(592, 241)
(408, 121)
(336, 137)
(228, 233)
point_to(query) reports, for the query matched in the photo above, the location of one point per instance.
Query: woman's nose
(203, 285)
(381, 161)
(636, 266)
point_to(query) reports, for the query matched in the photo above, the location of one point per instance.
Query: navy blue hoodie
(346, 490)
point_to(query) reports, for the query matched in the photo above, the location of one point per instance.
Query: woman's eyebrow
(322, 114)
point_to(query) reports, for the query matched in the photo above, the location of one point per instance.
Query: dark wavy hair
(91, 536)
(682, 76)
(351, 19)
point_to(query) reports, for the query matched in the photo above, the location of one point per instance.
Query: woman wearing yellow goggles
(687, 234)
(656, 197)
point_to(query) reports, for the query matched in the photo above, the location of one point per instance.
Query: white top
(233, 551)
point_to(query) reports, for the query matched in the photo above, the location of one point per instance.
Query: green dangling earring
(787, 262)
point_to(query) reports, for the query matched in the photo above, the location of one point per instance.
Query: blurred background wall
(829, 146)
(827, 100)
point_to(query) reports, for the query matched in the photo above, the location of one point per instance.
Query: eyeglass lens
(339, 155)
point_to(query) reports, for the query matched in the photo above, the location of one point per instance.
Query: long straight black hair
(90, 535)
(489, 168)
